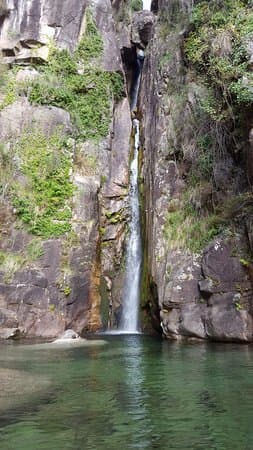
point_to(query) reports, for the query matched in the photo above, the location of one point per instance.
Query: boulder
(228, 324)
(11, 333)
(68, 335)
(142, 27)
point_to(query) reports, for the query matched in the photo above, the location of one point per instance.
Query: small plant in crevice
(10, 263)
(34, 249)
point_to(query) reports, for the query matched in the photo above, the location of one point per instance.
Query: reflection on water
(134, 393)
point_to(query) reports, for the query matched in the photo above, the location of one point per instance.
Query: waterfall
(131, 290)
(146, 4)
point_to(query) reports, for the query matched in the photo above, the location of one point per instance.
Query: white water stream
(131, 291)
(146, 5)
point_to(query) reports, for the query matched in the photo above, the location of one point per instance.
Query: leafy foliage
(91, 46)
(136, 5)
(42, 201)
(217, 48)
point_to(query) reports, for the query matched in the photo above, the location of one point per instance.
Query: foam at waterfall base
(119, 332)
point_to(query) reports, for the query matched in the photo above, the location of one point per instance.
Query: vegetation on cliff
(210, 102)
(78, 84)
(218, 49)
(42, 199)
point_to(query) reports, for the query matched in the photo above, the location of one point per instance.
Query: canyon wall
(196, 172)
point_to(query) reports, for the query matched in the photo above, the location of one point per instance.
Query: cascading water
(146, 5)
(131, 291)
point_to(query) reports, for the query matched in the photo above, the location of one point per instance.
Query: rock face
(29, 26)
(142, 27)
(62, 285)
(203, 291)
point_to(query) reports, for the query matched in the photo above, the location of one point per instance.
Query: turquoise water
(135, 392)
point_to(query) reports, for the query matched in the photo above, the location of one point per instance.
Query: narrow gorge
(126, 168)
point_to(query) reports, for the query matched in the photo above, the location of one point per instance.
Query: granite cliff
(196, 104)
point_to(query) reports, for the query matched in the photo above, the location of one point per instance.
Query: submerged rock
(18, 387)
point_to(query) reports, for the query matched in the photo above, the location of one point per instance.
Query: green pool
(135, 392)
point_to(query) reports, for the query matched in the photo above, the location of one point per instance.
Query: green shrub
(91, 45)
(136, 5)
(42, 201)
(225, 73)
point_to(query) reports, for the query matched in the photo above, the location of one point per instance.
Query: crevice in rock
(154, 6)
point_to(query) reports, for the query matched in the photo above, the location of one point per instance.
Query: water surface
(135, 392)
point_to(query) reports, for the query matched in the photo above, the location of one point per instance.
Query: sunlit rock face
(30, 25)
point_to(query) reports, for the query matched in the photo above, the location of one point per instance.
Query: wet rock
(219, 264)
(34, 276)
(170, 320)
(119, 176)
(8, 318)
(111, 54)
(195, 292)
(61, 288)
(30, 26)
(206, 286)
(250, 156)
(249, 48)
(249, 228)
